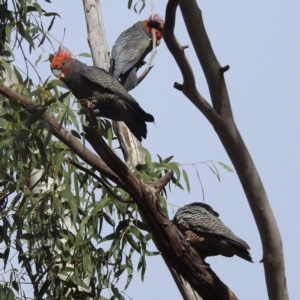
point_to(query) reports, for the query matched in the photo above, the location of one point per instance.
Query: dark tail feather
(138, 128)
(243, 253)
(148, 117)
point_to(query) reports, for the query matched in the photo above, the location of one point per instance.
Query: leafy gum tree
(56, 225)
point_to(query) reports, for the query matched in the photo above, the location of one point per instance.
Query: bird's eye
(63, 63)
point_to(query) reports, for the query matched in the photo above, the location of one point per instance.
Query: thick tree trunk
(127, 140)
(175, 249)
(221, 117)
(179, 256)
(128, 143)
(100, 53)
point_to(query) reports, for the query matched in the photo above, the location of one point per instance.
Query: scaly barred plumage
(200, 224)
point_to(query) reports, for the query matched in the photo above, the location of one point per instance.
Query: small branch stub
(178, 86)
(225, 69)
(162, 182)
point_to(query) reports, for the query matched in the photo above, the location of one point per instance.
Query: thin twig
(26, 263)
(65, 136)
(28, 61)
(149, 64)
(78, 166)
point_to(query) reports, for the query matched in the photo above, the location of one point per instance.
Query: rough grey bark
(96, 37)
(221, 117)
(127, 140)
(128, 143)
(100, 53)
(175, 249)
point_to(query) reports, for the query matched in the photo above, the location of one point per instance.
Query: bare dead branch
(174, 248)
(129, 144)
(220, 116)
(150, 61)
(96, 33)
(178, 86)
(189, 85)
(225, 69)
(206, 57)
(239, 155)
(147, 70)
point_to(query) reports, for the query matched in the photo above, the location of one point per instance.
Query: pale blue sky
(260, 41)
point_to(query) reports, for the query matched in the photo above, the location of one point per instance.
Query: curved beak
(58, 73)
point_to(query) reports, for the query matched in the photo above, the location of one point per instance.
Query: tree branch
(96, 38)
(150, 61)
(162, 182)
(109, 190)
(128, 143)
(220, 116)
(206, 57)
(65, 136)
(147, 70)
(189, 86)
(175, 250)
(99, 49)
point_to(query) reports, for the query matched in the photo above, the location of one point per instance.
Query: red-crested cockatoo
(109, 97)
(130, 49)
(200, 225)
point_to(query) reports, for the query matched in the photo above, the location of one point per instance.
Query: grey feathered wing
(128, 52)
(103, 78)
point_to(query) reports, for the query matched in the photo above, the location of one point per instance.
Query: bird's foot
(92, 99)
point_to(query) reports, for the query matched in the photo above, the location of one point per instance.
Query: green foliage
(138, 6)
(67, 225)
(212, 167)
(72, 238)
(20, 24)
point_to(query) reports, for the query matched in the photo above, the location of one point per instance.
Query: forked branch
(220, 116)
(65, 136)
(175, 250)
